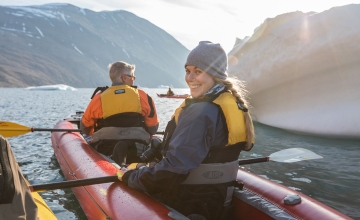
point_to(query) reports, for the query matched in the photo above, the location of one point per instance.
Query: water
(333, 180)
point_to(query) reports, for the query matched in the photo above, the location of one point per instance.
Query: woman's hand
(121, 172)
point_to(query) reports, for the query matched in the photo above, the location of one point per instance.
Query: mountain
(63, 44)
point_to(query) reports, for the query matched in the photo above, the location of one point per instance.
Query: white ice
(52, 87)
(303, 71)
(163, 87)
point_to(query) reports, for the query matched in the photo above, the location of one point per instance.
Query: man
(120, 115)
(170, 92)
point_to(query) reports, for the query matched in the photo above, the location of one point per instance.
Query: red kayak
(258, 199)
(173, 96)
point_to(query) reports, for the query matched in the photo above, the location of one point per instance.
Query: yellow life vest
(229, 106)
(120, 99)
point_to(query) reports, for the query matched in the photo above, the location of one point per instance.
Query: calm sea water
(333, 180)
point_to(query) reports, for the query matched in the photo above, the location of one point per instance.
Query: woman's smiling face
(198, 81)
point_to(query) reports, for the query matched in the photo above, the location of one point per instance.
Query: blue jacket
(201, 126)
(198, 139)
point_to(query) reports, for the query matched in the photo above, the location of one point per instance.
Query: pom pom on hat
(210, 57)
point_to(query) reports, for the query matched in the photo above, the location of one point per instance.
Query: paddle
(73, 183)
(160, 132)
(10, 129)
(286, 156)
(290, 155)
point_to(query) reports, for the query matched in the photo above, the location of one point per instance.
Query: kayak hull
(262, 194)
(78, 160)
(259, 198)
(44, 212)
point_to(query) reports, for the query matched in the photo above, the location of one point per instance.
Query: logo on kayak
(213, 174)
(120, 91)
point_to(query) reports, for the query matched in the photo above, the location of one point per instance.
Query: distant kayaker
(120, 112)
(202, 141)
(170, 92)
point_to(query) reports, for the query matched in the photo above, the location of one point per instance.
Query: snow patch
(9, 29)
(77, 49)
(63, 17)
(82, 11)
(35, 11)
(18, 14)
(114, 19)
(126, 52)
(148, 43)
(38, 29)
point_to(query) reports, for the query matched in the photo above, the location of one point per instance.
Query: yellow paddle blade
(10, 129)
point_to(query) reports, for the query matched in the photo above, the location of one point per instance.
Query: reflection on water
(333, 180)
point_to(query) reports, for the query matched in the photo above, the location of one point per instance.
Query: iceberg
(163, 87)
(52, 87)
(303, 71)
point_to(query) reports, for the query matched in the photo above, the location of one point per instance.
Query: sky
(191, 21)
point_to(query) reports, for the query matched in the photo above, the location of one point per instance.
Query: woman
(202, 141)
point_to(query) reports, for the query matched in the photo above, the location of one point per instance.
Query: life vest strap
(127, 119)
(102, 89)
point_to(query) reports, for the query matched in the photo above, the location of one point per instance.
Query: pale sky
(191, 21)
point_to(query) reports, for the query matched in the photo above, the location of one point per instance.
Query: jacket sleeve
(92, 113)
(188, 147)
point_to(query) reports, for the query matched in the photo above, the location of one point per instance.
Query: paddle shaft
(288, 155)
(107, 179)
(54, 129)
(10, 129)
(70, 130)
(73, 183)
(255, 160)
(160, 132)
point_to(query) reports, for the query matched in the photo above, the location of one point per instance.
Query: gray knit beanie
(209, 57)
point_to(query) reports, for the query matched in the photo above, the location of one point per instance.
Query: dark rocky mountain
(63, 44)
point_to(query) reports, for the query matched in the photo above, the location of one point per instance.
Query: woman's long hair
(237, 89)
